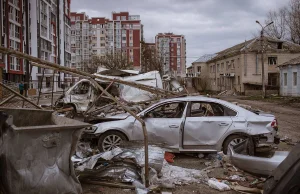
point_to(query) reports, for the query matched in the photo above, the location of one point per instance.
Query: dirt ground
(288, 115)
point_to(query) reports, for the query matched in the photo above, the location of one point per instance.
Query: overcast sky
(209, 26)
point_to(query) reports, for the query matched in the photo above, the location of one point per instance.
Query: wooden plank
(25, 99)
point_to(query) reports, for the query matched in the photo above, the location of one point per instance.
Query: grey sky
(208, 25)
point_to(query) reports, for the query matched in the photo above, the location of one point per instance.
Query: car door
(164, 122)
(204, 126)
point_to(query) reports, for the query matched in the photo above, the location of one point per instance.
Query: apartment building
(99, 35)
(13, 33)
(172, 50)
(49, 37)
(239, 68)
(124, 34)
(80, 39)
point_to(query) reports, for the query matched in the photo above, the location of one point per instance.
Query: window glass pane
(170, 110)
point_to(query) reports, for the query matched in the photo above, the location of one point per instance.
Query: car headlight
(91, 129)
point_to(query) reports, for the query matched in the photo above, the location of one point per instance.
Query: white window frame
(295, 79)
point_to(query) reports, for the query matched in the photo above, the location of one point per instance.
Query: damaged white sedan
(189, 124)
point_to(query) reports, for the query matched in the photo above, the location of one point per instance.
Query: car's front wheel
(110, 140)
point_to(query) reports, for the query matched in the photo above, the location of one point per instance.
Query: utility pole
(262, 57)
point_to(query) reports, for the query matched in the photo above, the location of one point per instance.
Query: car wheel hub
(236, 141)
(110, 142)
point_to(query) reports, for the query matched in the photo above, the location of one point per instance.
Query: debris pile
(124, 167)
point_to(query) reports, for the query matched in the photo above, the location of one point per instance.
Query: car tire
(113, 138)
(230, 139)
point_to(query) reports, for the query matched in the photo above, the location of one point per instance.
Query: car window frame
(189, 108)
(164, 103)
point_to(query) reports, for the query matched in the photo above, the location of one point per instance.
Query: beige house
(239, 68)
(200, 65)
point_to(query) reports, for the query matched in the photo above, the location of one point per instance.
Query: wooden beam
(15, 93)
(7, 99)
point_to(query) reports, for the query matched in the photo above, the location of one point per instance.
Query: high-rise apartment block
(172, 50)
(48, 35)
(98, 36)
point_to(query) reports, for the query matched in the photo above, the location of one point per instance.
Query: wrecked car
(83, 93)
(189, 124)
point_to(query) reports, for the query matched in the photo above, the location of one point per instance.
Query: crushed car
(188, 124)
(84, 93)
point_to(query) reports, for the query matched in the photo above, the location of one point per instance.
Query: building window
(102, 44)
(222, 66)
(285, 79)
(218, 67)
(239, 81)
(118, 18)
(11, 63)
(178, 39)
(10, 13)
(294, 78)
(123, 17)
(17, 16)
(232, 64)
(17, 32)
(199, 69)
(17, 46)
(11, 44)
(18, 64)
(272, 60)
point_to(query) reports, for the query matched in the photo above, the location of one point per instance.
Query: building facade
(48, 37)
(239, 68)
(172, 50)
(199, 67)
(13, 34)
(80, 39)
(122, 34)
(290, 78)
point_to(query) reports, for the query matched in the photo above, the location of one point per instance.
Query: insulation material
(132, 94)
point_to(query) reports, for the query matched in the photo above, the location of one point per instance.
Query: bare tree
(293, 20)
(150, 60)
(286, 22)
(279, 27)
(115, 61)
